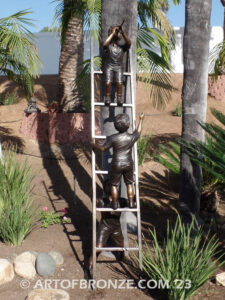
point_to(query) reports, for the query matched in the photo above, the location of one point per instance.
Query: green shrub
(142, 145)
(8, 99)
(18, 214)
(183, 263)
(178, 111)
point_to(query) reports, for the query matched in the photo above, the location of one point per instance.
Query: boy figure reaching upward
(122, 161)
(113, 64)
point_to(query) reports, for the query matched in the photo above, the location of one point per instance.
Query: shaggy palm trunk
(71, 59)
(114, 12)
(194, 99)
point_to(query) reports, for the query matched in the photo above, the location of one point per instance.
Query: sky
(43, 12)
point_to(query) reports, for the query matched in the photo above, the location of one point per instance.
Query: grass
(178, 111)
(183, 263)
(8, 99)
(18, 215)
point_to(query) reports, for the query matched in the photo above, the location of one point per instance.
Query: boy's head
(122, 122)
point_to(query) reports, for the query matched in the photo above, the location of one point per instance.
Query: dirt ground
(53, 186)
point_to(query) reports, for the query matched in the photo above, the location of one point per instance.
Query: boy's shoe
(107, 100)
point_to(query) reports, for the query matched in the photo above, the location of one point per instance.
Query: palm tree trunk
(194, 99)
(114, 12)
(71, 59)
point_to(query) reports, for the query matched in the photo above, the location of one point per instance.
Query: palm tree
(194, 99)
(19, 59)
(71, 14)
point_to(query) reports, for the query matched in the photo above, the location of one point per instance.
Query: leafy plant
(8, 99)
(183, 263)
(211, 158)
(142, 145)
(169, 157)
(18, 214)
(178, 111)
(50, 218)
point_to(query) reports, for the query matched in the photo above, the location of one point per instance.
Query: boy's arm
(109, 39)
(141, 118)
(97, 146)
(107, 144)
(127, 40)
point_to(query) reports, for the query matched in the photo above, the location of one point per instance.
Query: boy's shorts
(109, 228)
(113, 72)
(117, 170)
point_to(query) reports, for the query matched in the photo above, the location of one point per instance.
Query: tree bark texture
(71, 59)
(194, 99)
(114, 12)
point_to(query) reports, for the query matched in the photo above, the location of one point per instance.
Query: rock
(55, 294)
(35, 253)
(57, 256)
(220, 279)
(6, 271)
(12, 257)
(24, 265)
(45, 264)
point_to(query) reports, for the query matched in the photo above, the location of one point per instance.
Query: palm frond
(92, 18)
(211, 156)
(18, 41)
(217, 60)
(19, 58)
(65, 11)
(154, 71)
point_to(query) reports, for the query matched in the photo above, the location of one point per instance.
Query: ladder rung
(101, 172)
(104, 172)
(124, 73)
(117, 249)
(113, 104)
(115, 210)
(100, 137)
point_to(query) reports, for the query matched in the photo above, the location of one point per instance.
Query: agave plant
(19, 59)
(184, 262)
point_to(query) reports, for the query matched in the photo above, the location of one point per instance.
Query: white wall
(177, 54)
(48, 45)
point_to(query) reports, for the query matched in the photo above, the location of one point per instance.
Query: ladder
(95, 172)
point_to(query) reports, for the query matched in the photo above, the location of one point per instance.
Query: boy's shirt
(115, 54)
(122, 144)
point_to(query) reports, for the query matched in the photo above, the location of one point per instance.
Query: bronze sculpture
(31, 107)
(113, 62)
(122, 161)
(109, 226)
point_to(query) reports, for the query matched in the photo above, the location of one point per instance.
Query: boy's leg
(114, 195)
(108, 74)
(130, 194)
(108, 89)
(119, 80)
(119, 93)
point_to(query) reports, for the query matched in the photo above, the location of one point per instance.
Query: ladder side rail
(93, 162)
(136, 164)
